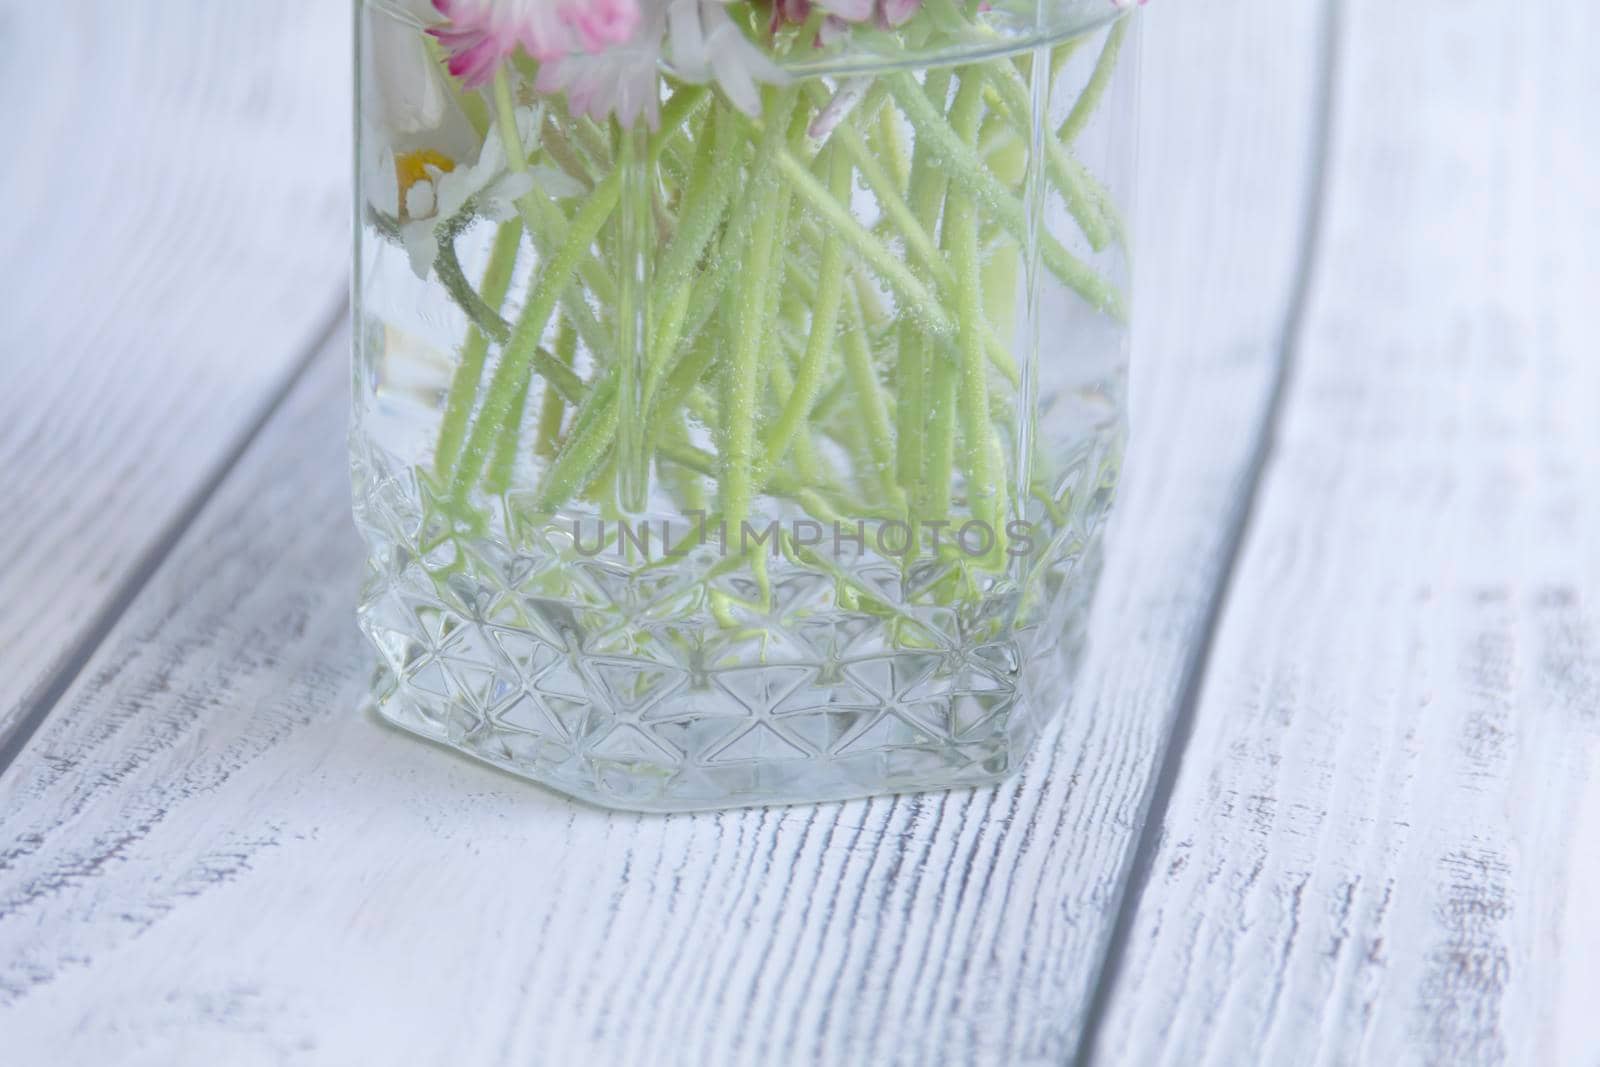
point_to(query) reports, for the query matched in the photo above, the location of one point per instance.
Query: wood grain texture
(172, 244)
(217, 859)
(1382, 846)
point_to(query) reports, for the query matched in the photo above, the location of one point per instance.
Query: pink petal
(896, 12)
(482, 34)
(783, 11)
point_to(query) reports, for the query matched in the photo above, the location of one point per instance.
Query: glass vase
(741, 438)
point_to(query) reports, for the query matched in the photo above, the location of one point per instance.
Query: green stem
(669, 329)
(593, 430)
(1064, 172)
(705, 201)
(681, 358)
(870, 404)
(517, 361)
(635, 243)
(807, 465)
(560, 151)
(539, 213)
(808, 495)
(894, 206)
(488, 321)
(504, 459)
(677, 365)
(904, 220)
(469, 372)
(1089, 100)
(919, 300)
(984, 491)
(548, 227)
(678, 110)
(447, 267)
(893, 147)
(1003, 259)
(926, 198)
(1061, 54)
(949, 367)
(683, 355)
(554, 408)
(967, 170)
(686, 374)
(824, 323)
(938, 455)
(746, 323)
(591, 138)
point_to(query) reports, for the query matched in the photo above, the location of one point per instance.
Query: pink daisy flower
(482, 34)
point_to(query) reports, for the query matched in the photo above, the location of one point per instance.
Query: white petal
(420, 201)
(737, 64)
(499, 201)
(555, 182)
(492, 157)
(383, 186)
(455, 189)
(411, 95)
(740, 87)
(690, 52)
(529, 119)
(422, 246)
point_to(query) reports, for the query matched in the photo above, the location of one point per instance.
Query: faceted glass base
(745, 773)
(618, 686)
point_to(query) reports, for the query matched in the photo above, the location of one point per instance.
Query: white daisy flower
(428, 190)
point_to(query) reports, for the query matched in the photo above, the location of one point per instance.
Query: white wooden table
(1329, 791)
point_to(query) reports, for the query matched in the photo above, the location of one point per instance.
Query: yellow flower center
(412, 167)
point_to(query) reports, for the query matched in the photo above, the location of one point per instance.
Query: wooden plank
(1382, 845)
(229, 864)
(172, 246)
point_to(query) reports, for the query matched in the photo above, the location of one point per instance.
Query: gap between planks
(1158, 799)
(37, 705)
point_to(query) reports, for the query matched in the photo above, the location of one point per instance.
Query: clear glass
(744, 459)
